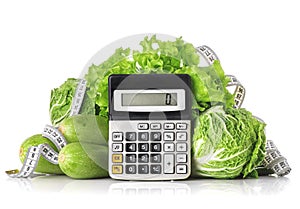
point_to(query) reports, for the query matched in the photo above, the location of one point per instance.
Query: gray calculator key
(143, 147)
(143, 136)
(155, 147)
(130, 147)
(143, 158)
(169, 163)
(155, 169)
(155, 158)
(155, 126)
(130, 136)
(143, 126)
(155, 136)
(130, 169)
(143, 169)
(130, 158)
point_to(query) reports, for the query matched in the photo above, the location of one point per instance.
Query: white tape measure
(274, 162)
(53, 134)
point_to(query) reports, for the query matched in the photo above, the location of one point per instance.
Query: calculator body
(149, 126)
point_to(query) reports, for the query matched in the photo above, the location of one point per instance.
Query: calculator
(149, 126)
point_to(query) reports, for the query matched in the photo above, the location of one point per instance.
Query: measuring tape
(239, 93)
(53, 134)
(78, 98)
(274, 162)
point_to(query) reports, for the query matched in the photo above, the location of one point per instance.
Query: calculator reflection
(149, 188)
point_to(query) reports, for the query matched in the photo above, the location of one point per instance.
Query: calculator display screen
(149, 99)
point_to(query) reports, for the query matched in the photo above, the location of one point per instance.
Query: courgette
(85, 129)
(84, 160)
(43, 165)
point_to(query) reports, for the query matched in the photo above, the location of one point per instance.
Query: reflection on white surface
(63, 184)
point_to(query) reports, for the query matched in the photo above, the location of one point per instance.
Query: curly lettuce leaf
(208, 84)
(61, 102)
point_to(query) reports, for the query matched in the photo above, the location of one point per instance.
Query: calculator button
(169, 147)
(181, 147)
(169, 136)
(155, 147)
(143, 147)
(155, 136)
(181, 169)
(155, 169)
(143, 136)
(117, 158)
(155, 126)
(155, 158)
(130, 147)
(181, 158)
(143, 126)
(169, 126)
(143, 169)
(117, 169)
(117, 136)
(143, 158)
(181, 126)
(130, 169)
(117, 147)
(169, 163)
(130, 136)
(130, 158)
(181, 136)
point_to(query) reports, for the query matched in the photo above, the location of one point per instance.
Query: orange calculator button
(117, 158)
(117, 169)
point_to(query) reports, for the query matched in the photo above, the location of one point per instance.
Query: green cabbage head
(227, 144)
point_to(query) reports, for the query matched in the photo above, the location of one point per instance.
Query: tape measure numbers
(53, 134)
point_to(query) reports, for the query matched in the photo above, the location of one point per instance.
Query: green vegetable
(227, 144)
(85, 129)
(208, 83)
(83, 160)
(43, 165)
(61, 102)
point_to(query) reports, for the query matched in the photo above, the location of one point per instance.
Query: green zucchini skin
(85, 129)
(43, 165)
(84, 160)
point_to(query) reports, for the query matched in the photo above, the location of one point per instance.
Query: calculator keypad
(155, 150)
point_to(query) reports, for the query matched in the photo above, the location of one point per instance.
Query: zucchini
(85, 129)
(84, 160)
(43, 165)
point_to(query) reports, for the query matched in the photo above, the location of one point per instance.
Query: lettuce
(61, 102)
(208, 83)
(227, 144)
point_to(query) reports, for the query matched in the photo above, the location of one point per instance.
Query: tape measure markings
(54, 135)
(78, 97)
(209, 55)
(34, 153)
(239, 92)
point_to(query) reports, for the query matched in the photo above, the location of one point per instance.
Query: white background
(42, 43)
